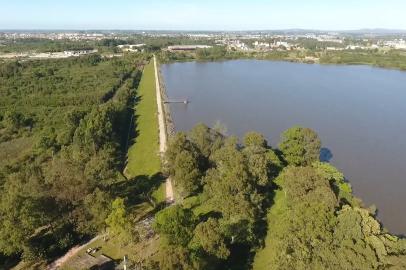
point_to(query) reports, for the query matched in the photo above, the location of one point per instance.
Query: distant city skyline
(197, 15)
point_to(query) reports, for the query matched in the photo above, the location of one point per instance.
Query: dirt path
(162, 131)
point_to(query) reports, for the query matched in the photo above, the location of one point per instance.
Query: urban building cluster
(132, 47)
(74, 36)
(399, 44)
(47, 55)
(239, 41)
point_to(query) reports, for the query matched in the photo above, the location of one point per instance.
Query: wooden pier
(184, 101)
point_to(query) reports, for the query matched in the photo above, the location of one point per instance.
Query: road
(162, 132)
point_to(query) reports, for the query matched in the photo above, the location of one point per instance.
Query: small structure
(188, 47)
(184, 101)
(131, 47)
(79, 52)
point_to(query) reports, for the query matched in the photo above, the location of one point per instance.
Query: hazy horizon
(210, 15)
(206, 30)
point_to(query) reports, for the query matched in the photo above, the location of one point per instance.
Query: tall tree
(206, 139)
(176, 224)
(232, 190)
(300, 146)
(116, 220)
(187, 177)
(178, 144)
(98, 204)
(209, 237)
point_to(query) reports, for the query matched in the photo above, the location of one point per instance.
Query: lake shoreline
(292, 93)
(324, 60)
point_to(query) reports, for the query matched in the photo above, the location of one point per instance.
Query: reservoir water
(359, 113)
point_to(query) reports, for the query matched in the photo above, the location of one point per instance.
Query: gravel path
(162, 132)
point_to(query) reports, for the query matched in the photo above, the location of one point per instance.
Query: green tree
(20, 216)
(255, 139)
(187, 175)
(47, 141)
(305, 186)
(97, 128)
(98, 204)
(176, 224)
(209, 237)
(231, 188)
(263, 163)
(337, 180)
(102, 167)
(177, 258)
(72, 120)
(14, 120)
(116, 220)
(207, 140)
(66, 178)
(178, 144)
(300, 146)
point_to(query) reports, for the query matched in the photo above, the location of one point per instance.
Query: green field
(143, 156)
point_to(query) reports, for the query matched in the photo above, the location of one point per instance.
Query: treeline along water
(358, 111)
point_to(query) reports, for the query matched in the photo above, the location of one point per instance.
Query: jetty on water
(184, 101)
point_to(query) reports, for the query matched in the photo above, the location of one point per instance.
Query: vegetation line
(390, 60)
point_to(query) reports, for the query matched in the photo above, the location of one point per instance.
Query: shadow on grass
(138, 189)
(132, 133)
(240, 259)
(9, 262)
(211, 214)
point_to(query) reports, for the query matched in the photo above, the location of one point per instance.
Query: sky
(203, 14)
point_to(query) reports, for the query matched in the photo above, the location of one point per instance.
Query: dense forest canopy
(63, 132)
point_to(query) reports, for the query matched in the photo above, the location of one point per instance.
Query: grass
(143, 156)
(159, 195)
(261, 260)
(114, 250)
(28, 266)
(199, 205)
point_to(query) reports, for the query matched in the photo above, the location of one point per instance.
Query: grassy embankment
(261, 260)
(143, 156)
